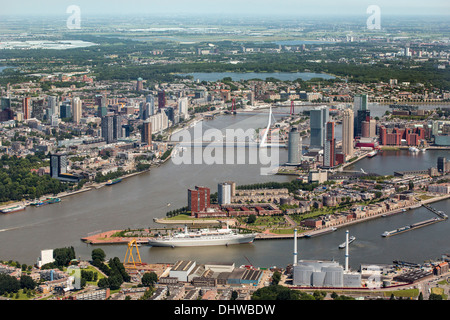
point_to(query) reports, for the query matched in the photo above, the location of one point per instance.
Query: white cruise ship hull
(200, 242)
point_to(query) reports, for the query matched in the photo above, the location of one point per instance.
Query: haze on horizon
(230, 7)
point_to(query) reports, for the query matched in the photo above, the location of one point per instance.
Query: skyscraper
(329, 157)
(58, 165)
(318, 119)
(102, 105)
(360, 113)
(150, 100)
(65, 110)
(76, 109)
(198, 199)
(224, 193)
(52, 106)
(117, 127)
(161, 99)
(108, 129)
(26, 108)
(359, 102)
(347, 132)
(183, 107)
(146, 132)
(294, 147)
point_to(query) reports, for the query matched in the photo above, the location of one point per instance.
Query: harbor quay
(142, 236)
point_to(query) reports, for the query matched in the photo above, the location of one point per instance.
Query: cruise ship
(202, 237)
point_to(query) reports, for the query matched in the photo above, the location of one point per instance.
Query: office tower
(442, 164)
(146, 132)
(198, 199)
(65, 110)
(108, 129)
(359, 102)
(347, 132)
(6, 112)
(117, 127)
(294, 147)
(183, 108)
(6, 103)
(318, 120)
(161, 99)
(52, 106)
(361, 113)
(170, 113)
(58, 165)
(361, 116)
(26, 108)
(140, 84)
(329, 157)
(76, 109)
(224, 193)
(102, 105)
(150, 101)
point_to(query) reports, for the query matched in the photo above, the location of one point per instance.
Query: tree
(276, 277)
(149, 279)
(27, 282)
(251, 219)
(63, 256)
(103, 283)
(434, 296)
(98, 254)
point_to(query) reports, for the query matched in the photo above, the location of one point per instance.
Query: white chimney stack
(346, 250)
(295, 247)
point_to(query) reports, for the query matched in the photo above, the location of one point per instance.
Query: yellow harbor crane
(129, 254)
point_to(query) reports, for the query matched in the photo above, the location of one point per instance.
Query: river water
(134, 203)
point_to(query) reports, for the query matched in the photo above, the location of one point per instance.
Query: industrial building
(213, 274)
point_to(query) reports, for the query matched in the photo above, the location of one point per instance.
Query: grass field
(407, 293)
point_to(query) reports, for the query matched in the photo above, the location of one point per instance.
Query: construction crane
(250, 266)
(130, 256)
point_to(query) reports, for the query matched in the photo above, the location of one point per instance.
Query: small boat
(413, 149)
(372, 154)
(113, 181)
(350, 240)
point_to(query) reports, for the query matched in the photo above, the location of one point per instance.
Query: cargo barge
(13, 209)
(411, 227)
(45, 201)
(319, 233)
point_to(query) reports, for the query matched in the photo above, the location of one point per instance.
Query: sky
(228, 7)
